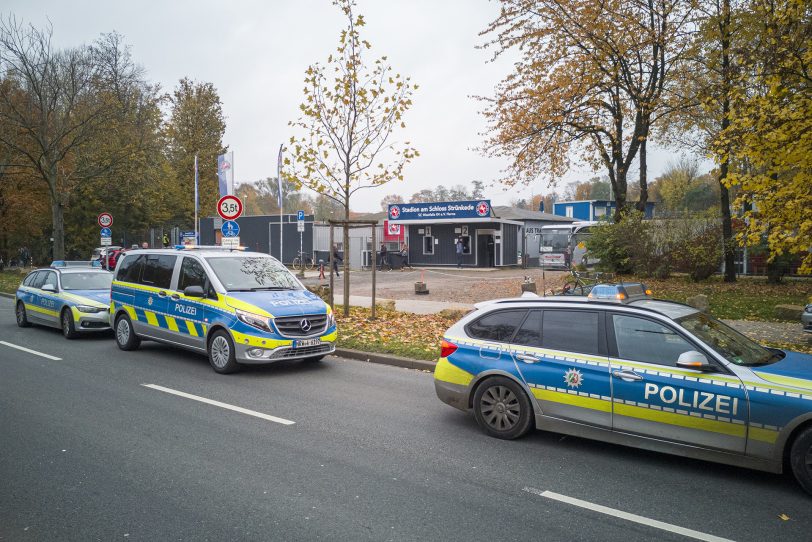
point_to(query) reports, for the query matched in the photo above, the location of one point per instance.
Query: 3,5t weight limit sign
(229, 207)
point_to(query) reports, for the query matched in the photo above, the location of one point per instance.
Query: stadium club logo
(394, 211)
(482, 208)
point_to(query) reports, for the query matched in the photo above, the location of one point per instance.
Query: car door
(47, 301)
(187, 316)
(30, 295)
(653, 397)
(561, 354)
(152, 300)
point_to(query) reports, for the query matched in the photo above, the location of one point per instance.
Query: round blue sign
(230, 229)
(106, 232)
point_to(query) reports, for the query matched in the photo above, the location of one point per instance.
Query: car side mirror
(48, 288)
(194, 291)
(694, 360)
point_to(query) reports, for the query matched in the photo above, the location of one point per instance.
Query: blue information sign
(300, 215)
(230, 229)
(106, 232)
(480, 209)
(187, 234)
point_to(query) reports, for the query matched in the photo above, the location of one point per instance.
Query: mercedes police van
(621, 367)
(237, 307)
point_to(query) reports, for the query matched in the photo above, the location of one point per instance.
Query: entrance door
(484, 249)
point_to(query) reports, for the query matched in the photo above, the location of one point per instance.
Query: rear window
(572, 331)
(496, 326)
(158, 271)
(129, 270)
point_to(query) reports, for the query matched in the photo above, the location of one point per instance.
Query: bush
(700, 255)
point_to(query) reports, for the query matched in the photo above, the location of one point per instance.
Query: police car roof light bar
(207, 247)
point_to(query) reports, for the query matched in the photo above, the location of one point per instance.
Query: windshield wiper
(271, 288)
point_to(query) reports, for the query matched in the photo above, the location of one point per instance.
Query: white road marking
(627, 516)
(24, 349)
(241, 410)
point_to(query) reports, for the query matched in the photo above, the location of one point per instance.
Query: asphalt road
(88, 452)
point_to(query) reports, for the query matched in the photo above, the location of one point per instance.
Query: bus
(563, 245)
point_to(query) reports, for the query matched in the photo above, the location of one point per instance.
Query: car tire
(800, 458)
(502, 408)
(222, 355)
(22, 316)
(126, 339)
(68, 325)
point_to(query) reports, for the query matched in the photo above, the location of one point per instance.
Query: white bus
(563, 245)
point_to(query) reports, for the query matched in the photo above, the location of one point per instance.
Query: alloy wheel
(220, 351)
(500, 408)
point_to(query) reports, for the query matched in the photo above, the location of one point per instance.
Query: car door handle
(527, 358)
(174, 297)
(161, 294)
(628, 376)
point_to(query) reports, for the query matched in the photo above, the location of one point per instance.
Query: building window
(428, 244)
(568, 211)
(600, 211)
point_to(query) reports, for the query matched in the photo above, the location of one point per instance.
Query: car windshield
(86, 281)
(726, 341)
(252, 273)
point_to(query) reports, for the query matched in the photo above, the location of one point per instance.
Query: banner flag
(225, 173)
(279, 177)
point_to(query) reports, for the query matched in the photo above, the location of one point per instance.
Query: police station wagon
(236, 307)
(74, 298)
(640, 372)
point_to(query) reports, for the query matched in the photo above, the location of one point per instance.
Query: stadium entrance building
(489, 238)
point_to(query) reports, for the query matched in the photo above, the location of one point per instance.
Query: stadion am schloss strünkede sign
(441, 210)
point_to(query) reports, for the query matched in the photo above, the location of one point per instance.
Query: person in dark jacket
(336, 258)
(384, 258)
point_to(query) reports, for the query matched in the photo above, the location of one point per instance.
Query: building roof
(512, 213)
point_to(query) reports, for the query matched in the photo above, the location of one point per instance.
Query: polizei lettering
(186, 309)
(700, 400)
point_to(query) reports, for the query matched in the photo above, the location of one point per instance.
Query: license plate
(303, 343)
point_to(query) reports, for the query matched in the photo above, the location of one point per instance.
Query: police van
(72, 296)
(236, 307)
(624, 368)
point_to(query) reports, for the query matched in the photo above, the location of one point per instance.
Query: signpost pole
(281, 201)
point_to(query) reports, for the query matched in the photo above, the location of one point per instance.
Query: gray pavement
(88, 452)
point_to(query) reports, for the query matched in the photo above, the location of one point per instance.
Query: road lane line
(226, 406)
(24, 349)
(627, 516)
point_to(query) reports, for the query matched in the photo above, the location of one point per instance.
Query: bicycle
(581, 283)
(303, 261)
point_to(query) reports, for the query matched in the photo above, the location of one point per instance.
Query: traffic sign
(229, 207)
(105, 220)
(106, 232)
(300, 215)
(187, 234)
(230, 229)
(106, 241)
(300, 226)
(230, 242)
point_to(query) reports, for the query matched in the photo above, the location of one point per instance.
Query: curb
(385, 359)
(10, 296)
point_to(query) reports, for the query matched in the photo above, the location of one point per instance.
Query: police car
(236, 307)
(73, 297)
(622, 367)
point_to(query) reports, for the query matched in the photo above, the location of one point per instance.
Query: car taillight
(447, 348)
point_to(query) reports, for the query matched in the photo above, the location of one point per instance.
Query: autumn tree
(589, 82)
(54, 103)
(390, 199)
(195, 127)
(350, 112)
(769, 135)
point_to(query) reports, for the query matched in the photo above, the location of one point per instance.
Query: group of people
(383, 258)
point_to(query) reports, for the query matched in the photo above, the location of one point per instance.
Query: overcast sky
(256, 52)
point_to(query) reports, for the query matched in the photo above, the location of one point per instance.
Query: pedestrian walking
(460, 248)
(404, 253)
(336, 258)
(166, 240)
(384, 260)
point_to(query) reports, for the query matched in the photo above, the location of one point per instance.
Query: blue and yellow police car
(624, 368)
(72, 296)
(236, 307)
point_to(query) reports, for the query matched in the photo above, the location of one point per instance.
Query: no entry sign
(105, 220)
(229, 207)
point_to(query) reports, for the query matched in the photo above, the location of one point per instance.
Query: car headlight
(331, 320)
(90, 309)
(254, 320)
(808, 308)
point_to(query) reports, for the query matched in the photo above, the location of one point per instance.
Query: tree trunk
(620, 193)
(346, 266)
(641, 203)
(727, 223)
(57, 215)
